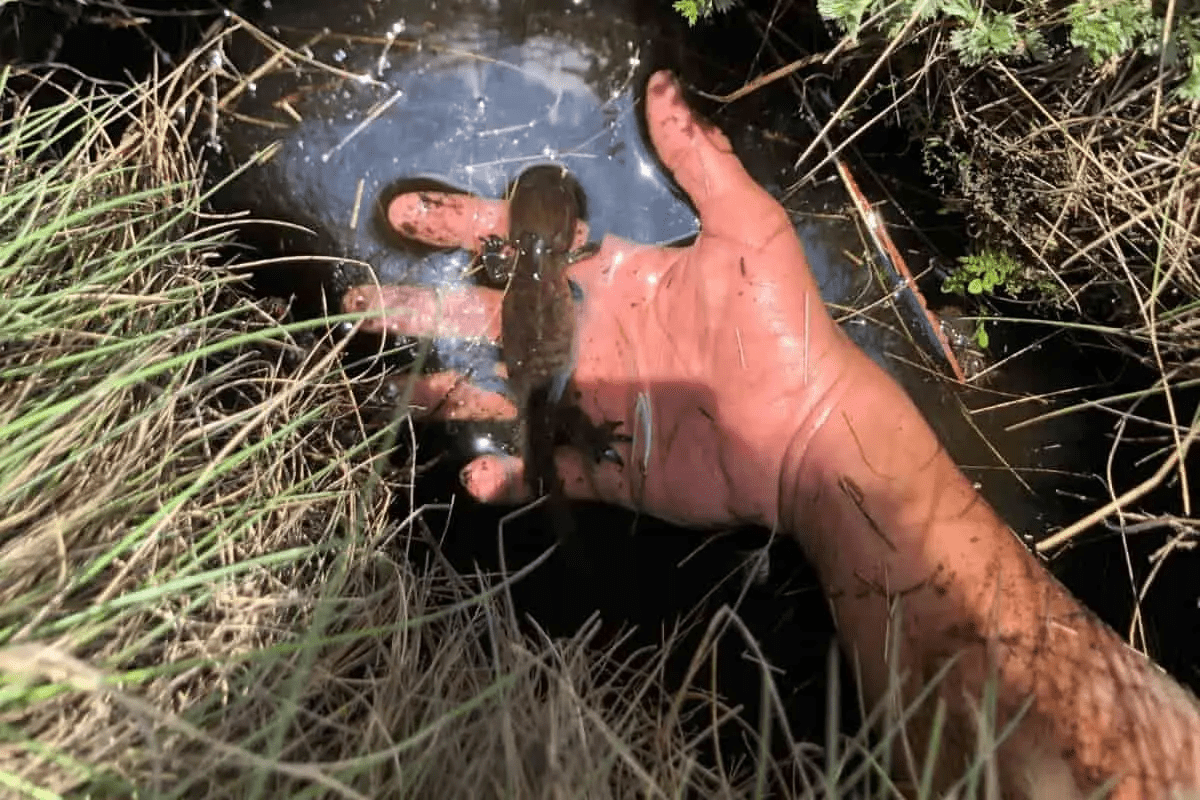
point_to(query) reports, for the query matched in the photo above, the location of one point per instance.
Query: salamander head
(545, 202)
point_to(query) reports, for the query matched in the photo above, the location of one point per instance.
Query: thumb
(702, 161)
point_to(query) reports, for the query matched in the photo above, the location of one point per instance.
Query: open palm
(715, 356)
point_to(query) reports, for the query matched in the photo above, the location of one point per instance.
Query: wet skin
(762, 410)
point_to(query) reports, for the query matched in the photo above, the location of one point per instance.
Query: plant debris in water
(1068, 134)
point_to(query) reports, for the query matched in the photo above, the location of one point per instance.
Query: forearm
(907, 549)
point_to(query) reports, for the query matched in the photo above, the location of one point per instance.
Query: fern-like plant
(1105, 29)
(695, 10)
(989, 35)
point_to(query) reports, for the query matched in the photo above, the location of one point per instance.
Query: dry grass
(205, 589)
(1086, 174)
(1078, 181)
(1088, 177)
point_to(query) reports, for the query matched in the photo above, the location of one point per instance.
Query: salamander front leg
(576, 429)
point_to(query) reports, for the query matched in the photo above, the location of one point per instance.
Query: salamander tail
(541, 470)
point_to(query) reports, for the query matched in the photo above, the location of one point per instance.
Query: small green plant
(695, 10)
(987, 35)
(849, 14)
(1108, 29)
(981, 335)
(983, 273)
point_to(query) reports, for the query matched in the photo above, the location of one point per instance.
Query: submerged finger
(501, 479)
(465, 312)
(450, 396)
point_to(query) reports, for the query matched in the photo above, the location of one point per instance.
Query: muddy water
(466, 94)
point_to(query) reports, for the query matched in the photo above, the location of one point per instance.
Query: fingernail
(662, 82)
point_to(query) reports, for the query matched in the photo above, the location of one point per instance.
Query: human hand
(726, 341)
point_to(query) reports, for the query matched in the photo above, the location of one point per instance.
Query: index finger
(447, 219)
(464, 312)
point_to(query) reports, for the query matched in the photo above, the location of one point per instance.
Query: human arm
(912, 557)
(763, 411)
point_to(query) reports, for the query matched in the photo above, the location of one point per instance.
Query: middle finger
(463, 312)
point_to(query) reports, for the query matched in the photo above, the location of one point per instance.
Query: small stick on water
(358, 193)
(372, 115)
(770, 77)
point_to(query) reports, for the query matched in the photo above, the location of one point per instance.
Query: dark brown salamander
(538, 319)
(538, 322)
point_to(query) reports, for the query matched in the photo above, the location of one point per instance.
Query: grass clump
(1066, 132)
(166, 463)
(207, 582)
(1075, 154)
